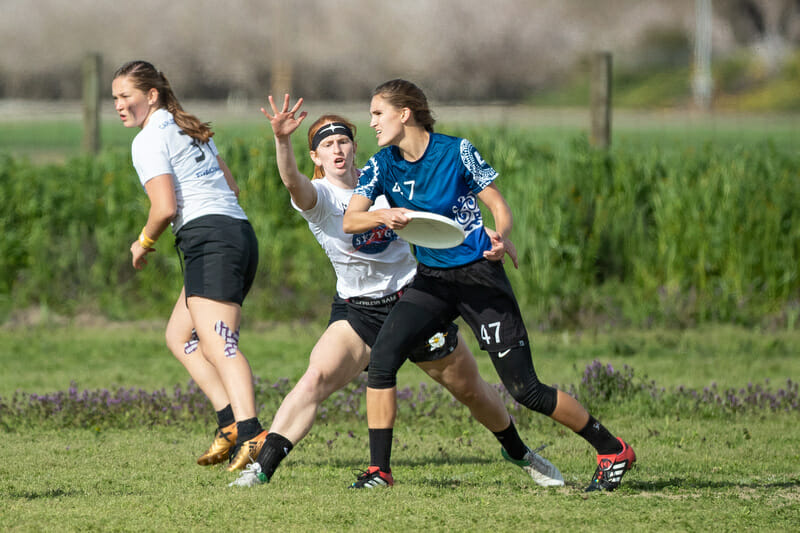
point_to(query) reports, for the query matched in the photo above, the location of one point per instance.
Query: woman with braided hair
(190, 187)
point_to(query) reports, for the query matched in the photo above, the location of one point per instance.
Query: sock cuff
(278, 442)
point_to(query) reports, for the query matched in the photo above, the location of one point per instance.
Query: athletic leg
(217, 325)
(407, 326)
(183, 344)
(338, 357)
(178, 336)
(458, 373)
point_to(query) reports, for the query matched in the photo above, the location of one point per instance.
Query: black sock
(225, 416)
(275, 448)
(510, 440)
(380, 448)
(598, 436)
(247, 429)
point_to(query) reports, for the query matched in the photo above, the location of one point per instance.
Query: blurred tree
(771, 27)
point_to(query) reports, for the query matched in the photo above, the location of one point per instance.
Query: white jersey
(372, 264)
(200, 186)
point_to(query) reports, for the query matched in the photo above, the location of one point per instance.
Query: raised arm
(284, 123)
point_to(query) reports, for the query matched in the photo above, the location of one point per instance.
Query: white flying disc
(431, 230)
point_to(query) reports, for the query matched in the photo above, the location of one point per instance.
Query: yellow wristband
(145, 241)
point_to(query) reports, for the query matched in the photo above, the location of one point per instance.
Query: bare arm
(163, 208)
(358, 218)
(503, 220)
(284, 123)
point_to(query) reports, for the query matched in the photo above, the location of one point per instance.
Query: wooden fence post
(600, 100)
(281, 67)
(92, 64)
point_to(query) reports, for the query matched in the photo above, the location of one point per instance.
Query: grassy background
(700, 468)
(673, 226)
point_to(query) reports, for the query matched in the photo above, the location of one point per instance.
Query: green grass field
(694, 403)
(701, 466)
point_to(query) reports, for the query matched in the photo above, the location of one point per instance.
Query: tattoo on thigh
(192, 344)
(231, 338)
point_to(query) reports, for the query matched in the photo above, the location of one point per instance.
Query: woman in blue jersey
(372, 269)
(190, 187)
(425, 171)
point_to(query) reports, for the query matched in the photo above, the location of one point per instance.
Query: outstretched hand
(500, 247)
(285, 121)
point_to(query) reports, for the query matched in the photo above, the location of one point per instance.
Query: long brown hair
(402, 93)
(144, 77)
(312, 130)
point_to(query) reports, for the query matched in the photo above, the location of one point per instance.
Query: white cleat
(250, 477)
(543, 472)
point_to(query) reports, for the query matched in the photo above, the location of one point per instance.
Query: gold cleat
(220, 449)
(247, 452)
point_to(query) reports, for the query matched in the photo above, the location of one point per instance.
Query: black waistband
(384, 300)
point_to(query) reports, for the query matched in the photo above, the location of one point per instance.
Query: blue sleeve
(479, 173)
(368, 183)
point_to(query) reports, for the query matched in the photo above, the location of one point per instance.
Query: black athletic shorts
(220, 256)
(481, 293)
(367, 316)
(338, 310)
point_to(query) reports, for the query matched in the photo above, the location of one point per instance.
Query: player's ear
(152, 96)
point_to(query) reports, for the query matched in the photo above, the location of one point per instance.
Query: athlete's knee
(382, 372)
(519, 378)
(380, 377)
(533, 394)
(464, 386)
(466, 395)
(230, 337)
(312, 384)
(179, 345)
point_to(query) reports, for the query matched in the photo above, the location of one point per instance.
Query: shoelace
(253, 468)
(362, 474)
(540, 448)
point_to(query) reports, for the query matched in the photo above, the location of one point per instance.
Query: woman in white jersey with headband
(372, 270)
(190, 187)
(420, 170)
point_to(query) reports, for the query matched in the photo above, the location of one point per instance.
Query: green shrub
(636, 235)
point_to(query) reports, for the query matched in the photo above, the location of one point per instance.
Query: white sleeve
(323, 206)
(150, 157)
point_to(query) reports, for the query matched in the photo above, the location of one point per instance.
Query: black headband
(333, 128)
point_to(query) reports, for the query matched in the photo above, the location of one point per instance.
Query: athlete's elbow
(164, 212)
(168, 213)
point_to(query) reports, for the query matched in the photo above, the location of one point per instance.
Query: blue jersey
(445, 181)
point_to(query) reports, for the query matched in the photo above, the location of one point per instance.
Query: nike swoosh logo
(500, 355)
